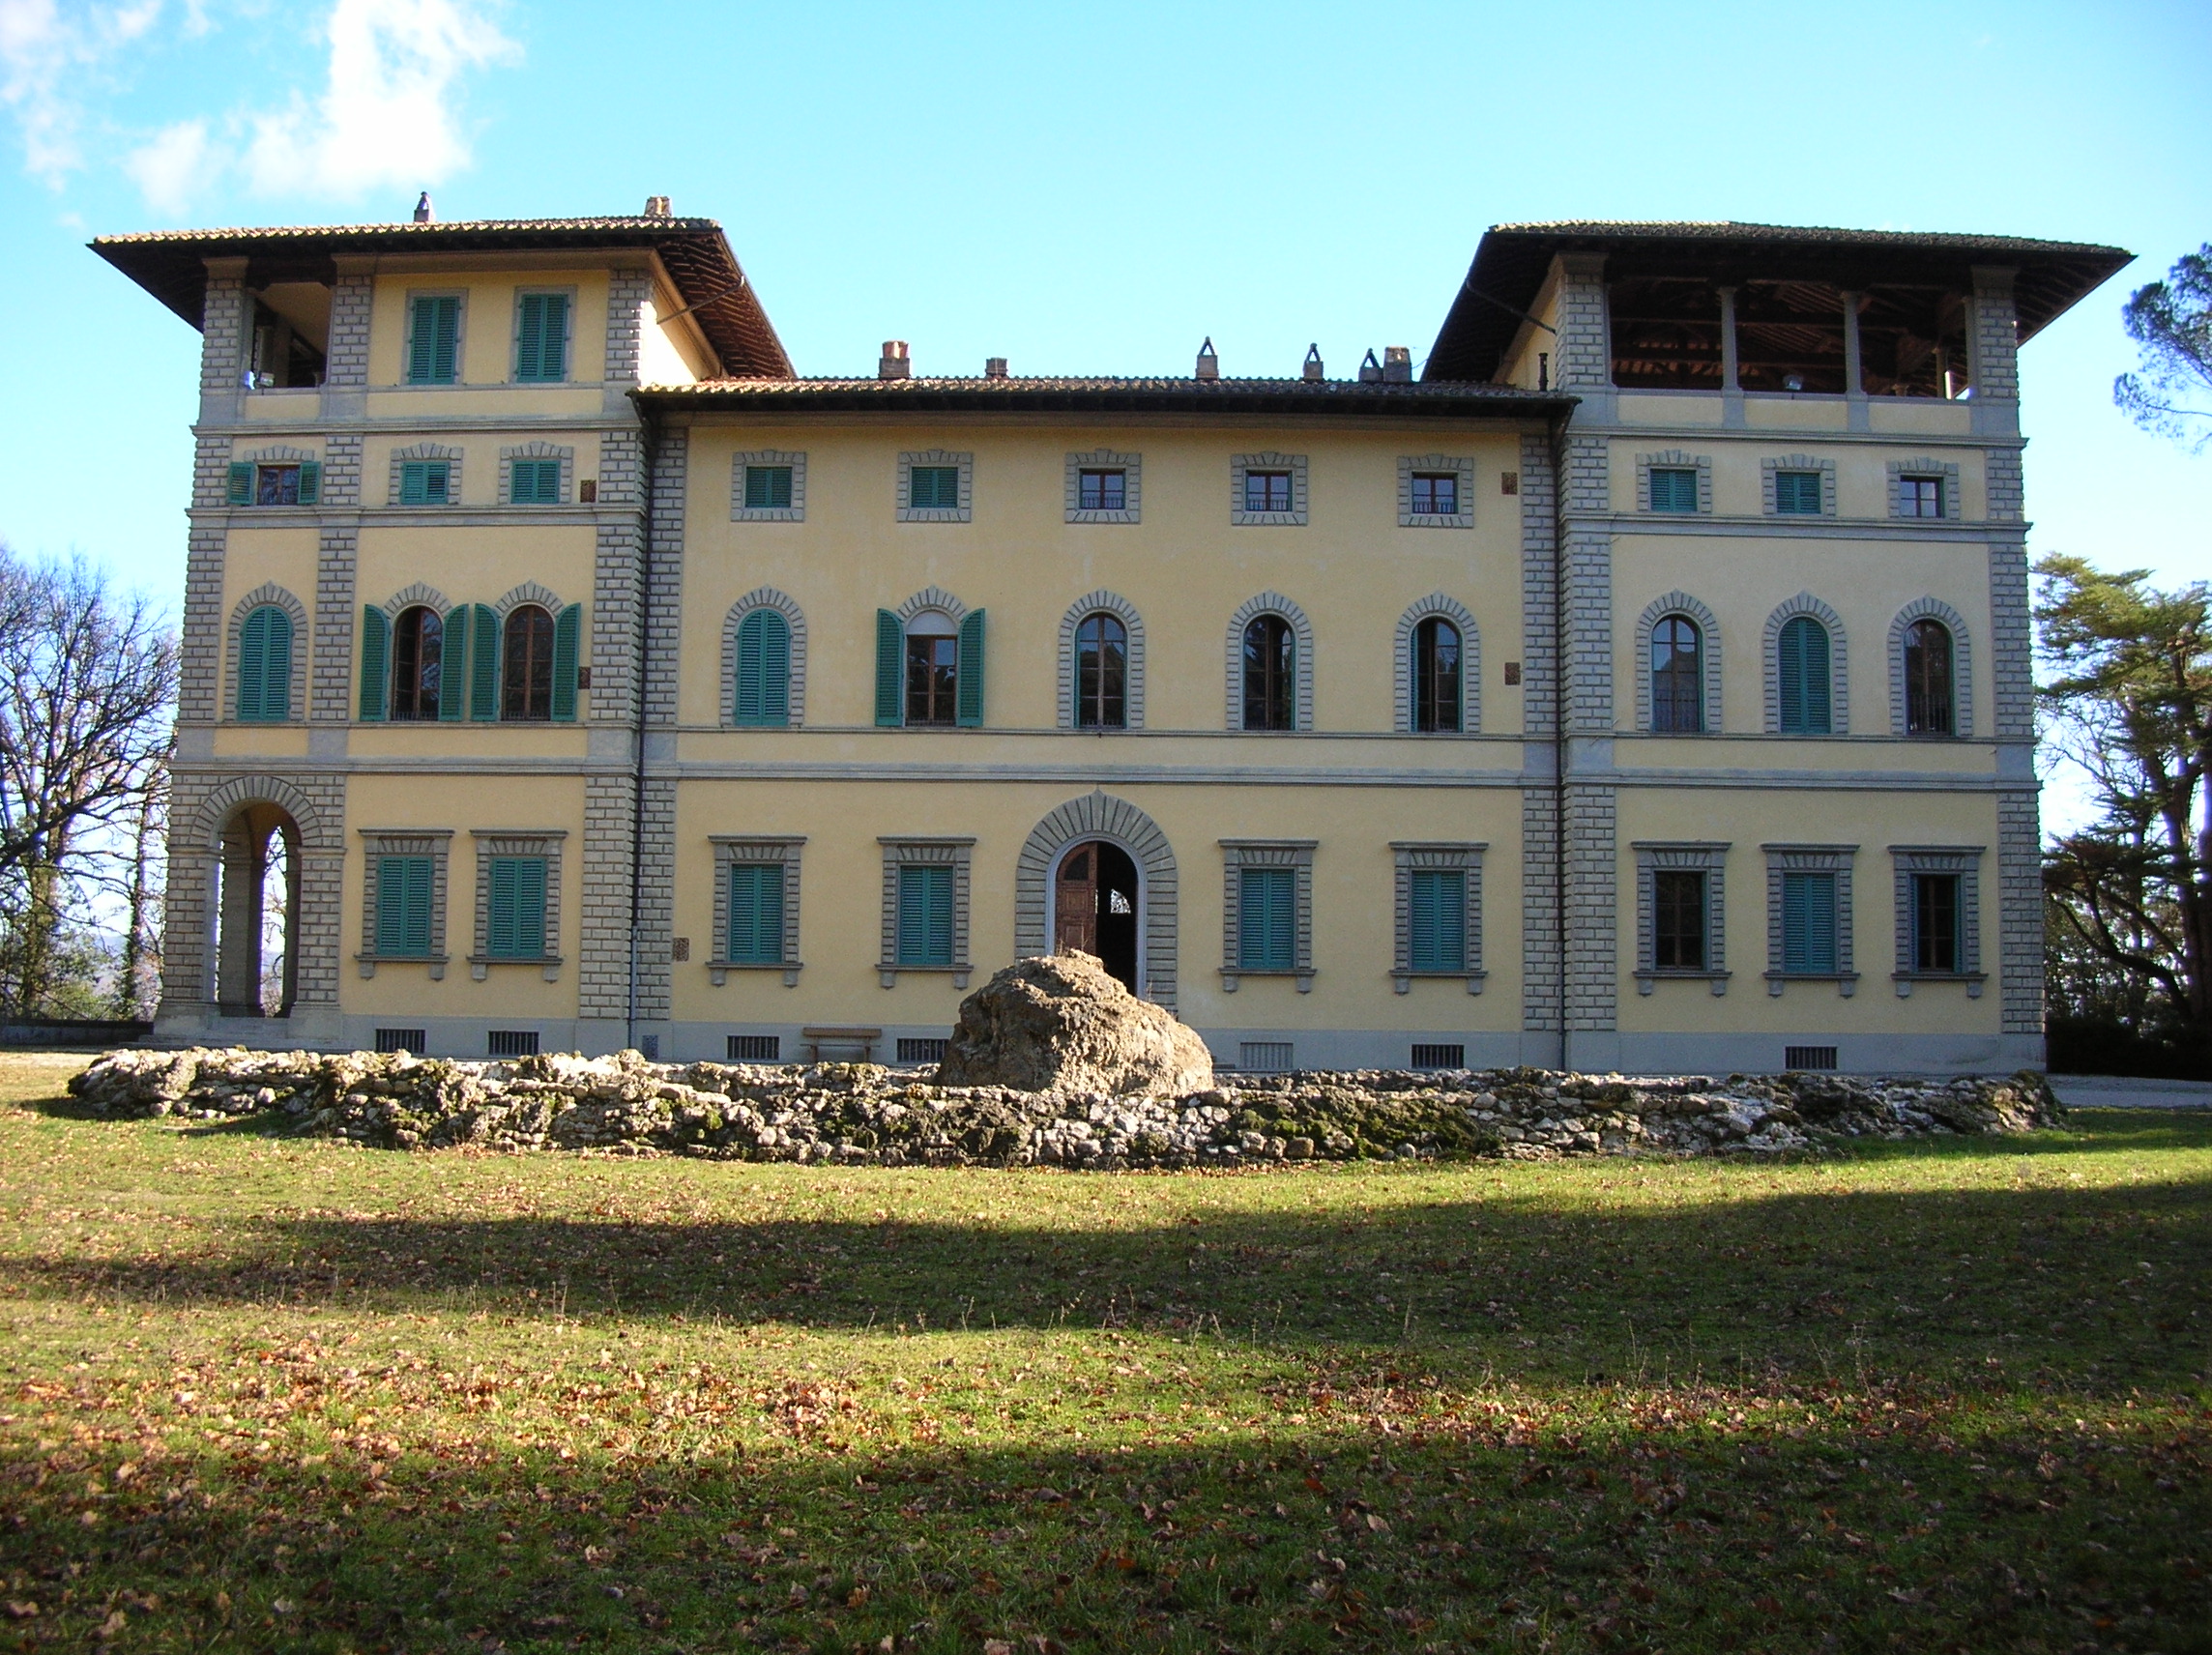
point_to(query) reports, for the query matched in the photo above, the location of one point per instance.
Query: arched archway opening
(257, 955)
(1096, 902)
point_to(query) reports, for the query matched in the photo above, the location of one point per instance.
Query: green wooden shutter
(515, 926)
(484, 663)
(568, 647)
(277, 666)
(1267, 937)
(253, 664)
(1815, 677)
(913, 915)
(403, 905)
(432, 351)
(1808, 922)
(310, 482)
(375, 662)
(756, 913)
(1801, 669)
(941, 917)
(453, 667)
(763, 691)
(751, 633)
(528, 334)
(239, 492)
(891, 653)
(968, 694)
(1438, 921)
(500, 920)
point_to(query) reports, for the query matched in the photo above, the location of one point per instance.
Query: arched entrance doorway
(257, 904)
(1095, 901)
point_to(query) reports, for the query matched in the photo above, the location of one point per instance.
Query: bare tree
(88, 683)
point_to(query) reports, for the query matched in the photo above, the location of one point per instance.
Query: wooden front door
(1075, 901)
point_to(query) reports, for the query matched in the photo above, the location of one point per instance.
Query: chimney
(1397, 364)
(656, 206)
(1208, 363)
(893, 363)
(1313, 371)
(994, 367)
(425, 213)
(1370, 370)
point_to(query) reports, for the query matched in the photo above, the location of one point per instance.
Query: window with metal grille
(415, 1040)
(920, 1051)
(767, 489)
(1102, 492)
(1936, 922)
(1266, 491)
(932, 488)
(1265, 1057)
(1438, 1057)
(1678, 920)
(1808, 1057)
(1673, 488)
(755, 1048)
(1798, 493)
(1678, 675)
(1436, 494)
(1920, 497)
(510, 1042)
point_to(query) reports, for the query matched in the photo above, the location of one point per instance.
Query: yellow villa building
(1644, 685)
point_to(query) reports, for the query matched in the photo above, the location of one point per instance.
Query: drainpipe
(650, 458)
(1559, 659)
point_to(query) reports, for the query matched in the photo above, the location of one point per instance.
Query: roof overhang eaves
(896, 397)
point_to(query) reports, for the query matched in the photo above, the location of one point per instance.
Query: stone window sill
(1905, 979)
(1232, 975)
(888, 972)
(436, 962)
(480, 965)
(1847, 983)
(718, 970)
(1403, 981)
(1644, 980)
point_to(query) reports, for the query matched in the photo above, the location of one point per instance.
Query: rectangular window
(514, 1043)
(517, 926)
(1265, 1057)
(542, 337)
(767, 489)
(425, 483)
(1440, 1056)
(1436, 494)
(276, 485)
(403, 905)
(1936, 922)
(756, 914)
(1678, 920)
(929, 488)
(1266, 919)
(434, 339)
(1437, 922)
(1102, 492)
(533, 482)
(1673, 488)
(920, 1051)
(1920, 497)
(1798, 493)
(754, 1049)
(926, 915)
(1809, 923)
(1266, 491)
(415, 1040)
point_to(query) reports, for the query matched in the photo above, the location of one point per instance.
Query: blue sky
(1079, 188)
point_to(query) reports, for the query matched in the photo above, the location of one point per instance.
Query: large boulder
(1061, 1023)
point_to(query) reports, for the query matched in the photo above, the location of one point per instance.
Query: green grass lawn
(260, 1392)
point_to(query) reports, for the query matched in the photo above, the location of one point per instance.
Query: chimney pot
(1370, 370)
(656, 206)
(1313, 370)
(1208, 363)
(893, 362)
(425, 213)
(1398, 365)
(994, 367)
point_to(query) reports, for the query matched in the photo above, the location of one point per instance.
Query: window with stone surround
(1678, 667)
(425, 473)
(1925, 490)
(1680, 913)
(1439, 913)
(1104, 486)
(433, 339)
(936, 486)
(542, 336)
(925, 907)
(1939, 903)
(1268, 490)
(1672, 482)
(1436, 491)
(1809, 916)
(763, 661)
(756, 905)
(268, 657)
(1797, 485)
(536, 474)
(767, 485)
(1266, 910)
(279, 476)
(518, 901)
(403, 900)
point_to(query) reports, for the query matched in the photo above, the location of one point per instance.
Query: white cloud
(389, 113)
(50, 64)
(167, 168)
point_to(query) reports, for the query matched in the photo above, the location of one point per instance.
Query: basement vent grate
(512, 1042)
(1808, 1057)
(920, 1051)
(755, 1048)
(1265, 1057)
(415, 1040)
(1440, 1056)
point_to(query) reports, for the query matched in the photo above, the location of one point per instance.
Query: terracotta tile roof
(168, 264)
(1513, 259)
(1102, 393)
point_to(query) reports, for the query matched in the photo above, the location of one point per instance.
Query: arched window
(932, 669)
(1101, 674)
(265, 666)
(418, 655)
(1678, 675)
(1436, 698)
(1270, 674)
(763, 670)
(526, 666)
(1928, 697)
(1801, 673)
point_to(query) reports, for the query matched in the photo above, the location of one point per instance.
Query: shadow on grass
(2106, 1284)
(1446, 1535)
